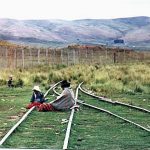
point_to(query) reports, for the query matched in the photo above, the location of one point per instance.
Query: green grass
(138, 99)
(12, 103)
(128, 113)
(96, 130)
(40, 130)
(12, 106)
(128, 83)
(91, 129)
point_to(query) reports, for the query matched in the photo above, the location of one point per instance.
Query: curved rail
(66, 140)
(23, 118)
(106, 111)
(55, 91)
(65, 146)
(103, 110)
(115, 102)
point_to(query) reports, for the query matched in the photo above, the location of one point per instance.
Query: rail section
(23, 118)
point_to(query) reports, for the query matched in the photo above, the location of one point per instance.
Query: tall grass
(128, 78)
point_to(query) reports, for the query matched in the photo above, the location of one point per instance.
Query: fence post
(6, 56)
(106, 53)
(15, 58)
(74, 57)
(31, 60)
(67, 58)
(23, 58)
(114, 57)
(46, 56)
(38, 56)
(62, 56)
(92, 60)
(55, 56)
(124, 52)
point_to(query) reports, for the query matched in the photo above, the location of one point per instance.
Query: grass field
(95, 130)
(91, 129)
(128, 83)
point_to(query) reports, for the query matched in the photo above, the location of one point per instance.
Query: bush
(3, 82)
(59, 66)
(19, 83)
(37, 79)
(50, 76)
(138, 89)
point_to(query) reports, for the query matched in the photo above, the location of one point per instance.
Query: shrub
(19, 83)
(138, 89)
(3, 82)
(50, 76)
(37, 79)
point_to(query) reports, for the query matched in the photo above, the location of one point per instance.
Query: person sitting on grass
(10, 81)
(37, 98)
(63, 102)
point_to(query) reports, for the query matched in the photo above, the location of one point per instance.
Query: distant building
(119, 41)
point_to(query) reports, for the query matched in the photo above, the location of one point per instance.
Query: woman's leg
(45, 107)
(33, 104)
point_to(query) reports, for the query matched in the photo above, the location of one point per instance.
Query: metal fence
(23, 57)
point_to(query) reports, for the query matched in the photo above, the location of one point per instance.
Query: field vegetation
(123, 82)
(105, 80)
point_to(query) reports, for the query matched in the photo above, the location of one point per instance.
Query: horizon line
(73, 19)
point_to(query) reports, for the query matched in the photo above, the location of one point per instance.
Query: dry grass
(107, 79)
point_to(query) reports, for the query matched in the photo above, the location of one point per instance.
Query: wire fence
(24, 57)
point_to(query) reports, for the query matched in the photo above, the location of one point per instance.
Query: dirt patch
(13, 118)
(1, 134)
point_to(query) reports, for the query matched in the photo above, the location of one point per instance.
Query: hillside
(134, 31)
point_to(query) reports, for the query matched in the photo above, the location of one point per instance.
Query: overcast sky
(73, 9)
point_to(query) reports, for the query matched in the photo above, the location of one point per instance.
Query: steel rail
(115, 102)
(55, 91)
(51, 88)
(67, 136)
(106, 111)
(23, 118)
(25, 149)
(16, 125)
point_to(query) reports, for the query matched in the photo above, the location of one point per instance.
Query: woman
(64, 102)
(37, 97)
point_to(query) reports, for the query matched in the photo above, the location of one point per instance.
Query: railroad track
(22, 120)
(90, 126)
(126, 109)
(113, 102)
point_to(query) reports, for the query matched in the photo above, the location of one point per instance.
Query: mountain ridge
(135, 31)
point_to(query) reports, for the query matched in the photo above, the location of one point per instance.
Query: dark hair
(65, 83)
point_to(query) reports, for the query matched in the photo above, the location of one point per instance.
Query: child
(64, 102)
(37, 97)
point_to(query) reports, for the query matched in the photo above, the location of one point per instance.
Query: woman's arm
(58, 99)
(32, 98)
